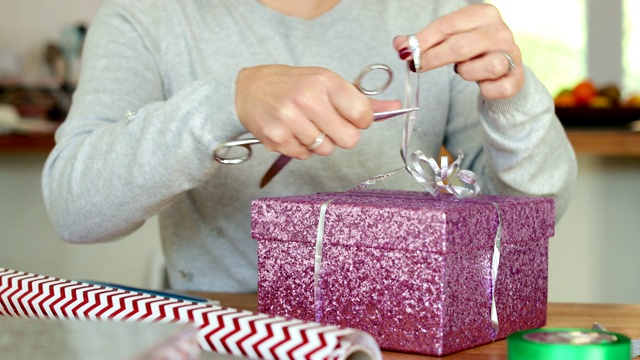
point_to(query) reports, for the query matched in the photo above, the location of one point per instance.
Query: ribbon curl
(441, 181)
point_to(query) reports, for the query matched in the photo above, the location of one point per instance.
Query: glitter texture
(411, 269)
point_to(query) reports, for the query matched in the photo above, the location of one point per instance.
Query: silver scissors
(221, 153)
(635, 344)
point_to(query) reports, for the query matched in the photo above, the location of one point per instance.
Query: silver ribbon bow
(443, 175)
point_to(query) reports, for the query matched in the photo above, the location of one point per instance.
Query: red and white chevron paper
(220, 329)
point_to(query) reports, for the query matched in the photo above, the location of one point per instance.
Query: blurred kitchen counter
(591, 141)
(605, 142)
(26, 144)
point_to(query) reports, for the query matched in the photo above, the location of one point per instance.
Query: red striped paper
(219, 329)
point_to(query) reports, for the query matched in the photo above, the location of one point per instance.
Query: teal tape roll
(568, 344)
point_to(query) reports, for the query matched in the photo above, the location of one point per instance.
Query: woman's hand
(478, 42)
(287, 108)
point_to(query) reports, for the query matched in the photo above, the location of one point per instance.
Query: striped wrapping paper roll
(219, 329)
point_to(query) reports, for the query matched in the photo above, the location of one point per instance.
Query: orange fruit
(633, 102)
(612, 92)
(600, 101)
(584, 92)
(564, 100)
(565, 91)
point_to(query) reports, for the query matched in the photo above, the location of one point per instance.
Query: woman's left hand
(478, 42)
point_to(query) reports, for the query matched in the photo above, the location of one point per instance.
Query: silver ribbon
(318, 259)
(411, 99)
(495, 264)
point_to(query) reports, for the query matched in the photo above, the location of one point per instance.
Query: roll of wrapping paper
(568, 344)
(219, 329)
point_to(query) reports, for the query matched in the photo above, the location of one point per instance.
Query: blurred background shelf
(585, 140)
(597, 118)
(602, 131)
(605, 142)
(26, 144)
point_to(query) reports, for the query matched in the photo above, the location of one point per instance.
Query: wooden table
(623, 319)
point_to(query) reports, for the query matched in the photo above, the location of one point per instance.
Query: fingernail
(412, 66)
(404, 53)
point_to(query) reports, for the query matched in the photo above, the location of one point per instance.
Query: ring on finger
(512, 64)
(317, 142)
(414, 46)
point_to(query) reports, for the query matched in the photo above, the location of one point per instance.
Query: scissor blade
(274, 169)
(389, 114)
(284, 160)
(635, 344)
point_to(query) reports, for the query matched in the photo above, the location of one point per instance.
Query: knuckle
(287, 114)
(276, 136)
(301, 154)
(506, 34)
(326, 149)
(499, 90)
(321, 76)
(295, 150)
(447, 25)
(515, 53)
(489, 11)
(299, 98)
(361, 114)
(268, 146)
(495, 67)
(502, 34)
(462, 48)
(350, 139)
(506, 89)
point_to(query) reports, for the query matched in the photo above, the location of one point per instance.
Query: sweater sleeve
(126, 151)
(518, 146)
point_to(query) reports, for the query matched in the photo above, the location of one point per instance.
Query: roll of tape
(568, 344)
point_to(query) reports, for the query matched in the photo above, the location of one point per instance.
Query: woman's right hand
(287, 107)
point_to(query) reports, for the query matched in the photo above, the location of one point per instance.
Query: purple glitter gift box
(413, 270)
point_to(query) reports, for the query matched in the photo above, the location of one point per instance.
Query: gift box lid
(404, 220)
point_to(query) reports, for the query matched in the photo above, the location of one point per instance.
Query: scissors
(635, 344)
(220, 154)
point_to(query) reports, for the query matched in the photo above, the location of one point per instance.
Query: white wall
(593, 257)
(27, 25)
(595, 254)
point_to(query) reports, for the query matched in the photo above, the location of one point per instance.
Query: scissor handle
(219, 154)
(367, 70)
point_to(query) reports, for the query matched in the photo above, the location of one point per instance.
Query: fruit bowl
(585, 105)
(597, 117)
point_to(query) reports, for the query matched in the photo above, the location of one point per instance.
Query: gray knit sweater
(174, 63)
